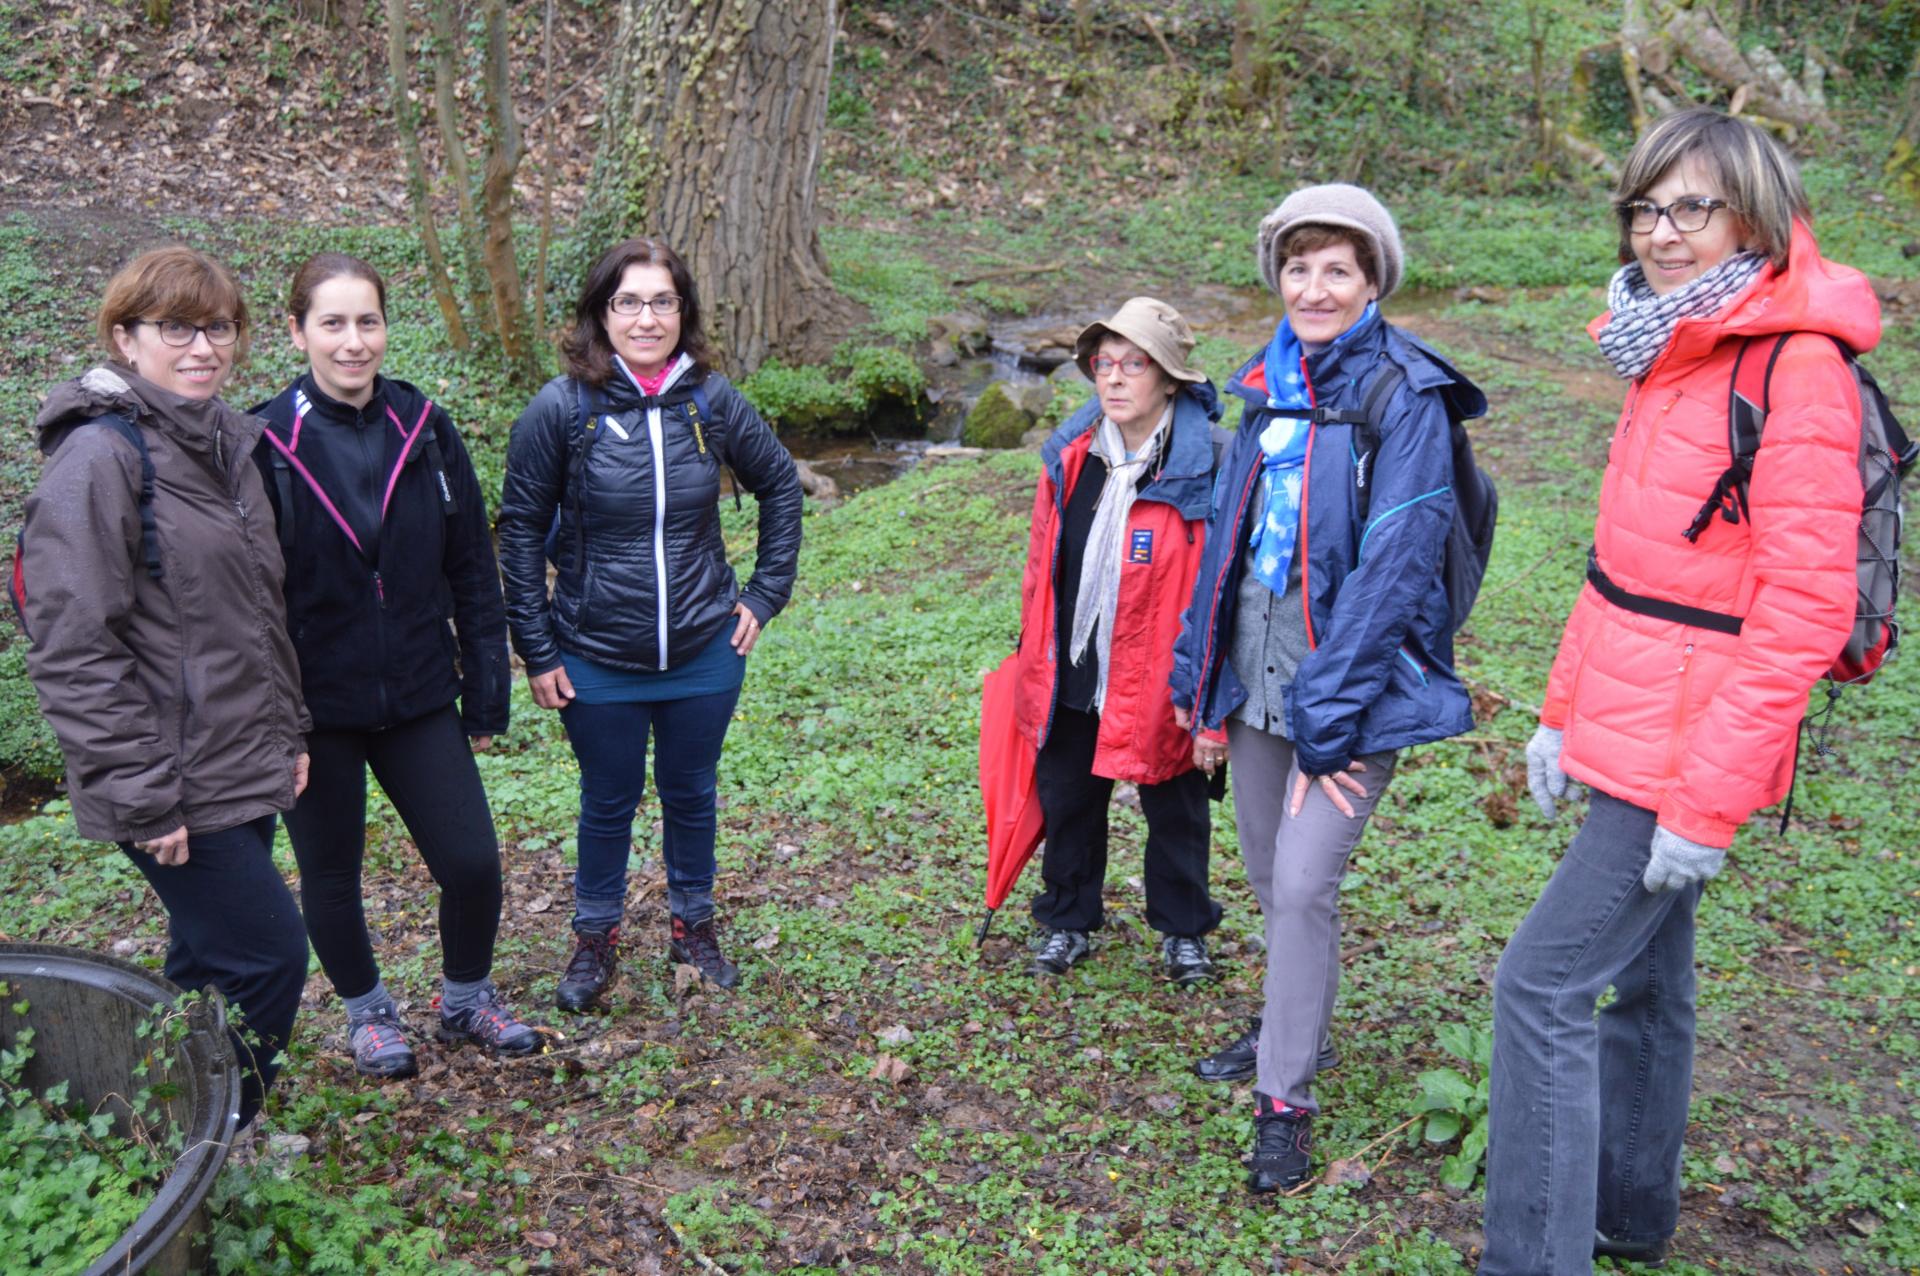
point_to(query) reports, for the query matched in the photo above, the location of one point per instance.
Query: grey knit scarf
(1642, 321)
(1094, 606)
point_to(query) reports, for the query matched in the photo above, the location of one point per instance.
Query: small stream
(1029, 349)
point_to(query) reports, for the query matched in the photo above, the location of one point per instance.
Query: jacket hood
(1811, 294)
(113, 388)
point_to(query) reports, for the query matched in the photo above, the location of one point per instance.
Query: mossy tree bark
(711, 141)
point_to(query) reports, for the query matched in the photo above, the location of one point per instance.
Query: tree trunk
(446, 110)
(418, 198)
(711, 140)
(504, 152)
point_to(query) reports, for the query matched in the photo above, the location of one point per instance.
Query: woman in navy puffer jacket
(614, 472)
(1321, 639)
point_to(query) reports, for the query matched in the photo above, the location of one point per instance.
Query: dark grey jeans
(1294, 864)
(1589, 1111)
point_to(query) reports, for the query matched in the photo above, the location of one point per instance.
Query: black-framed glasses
(178, 332)
(1133, 365)
(1688, 214)
(625, 303)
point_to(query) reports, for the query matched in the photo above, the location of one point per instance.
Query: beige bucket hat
(1151, 324)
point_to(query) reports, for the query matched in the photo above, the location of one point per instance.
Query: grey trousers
(1589, 1110)
(1295, 864)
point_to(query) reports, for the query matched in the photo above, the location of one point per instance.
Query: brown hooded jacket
(175, 701)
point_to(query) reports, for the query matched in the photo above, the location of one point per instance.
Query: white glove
(1676, 862)
(1545, 780)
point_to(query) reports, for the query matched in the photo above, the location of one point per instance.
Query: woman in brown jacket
(150, 588)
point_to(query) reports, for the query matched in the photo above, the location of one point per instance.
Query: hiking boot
(379, 1043)
(1236, 1060)
(1646, 1253)
(698, 946)
(1282, 1146)
(490, 1024)
(1185, 959)
(1061, 952)
(591, 970)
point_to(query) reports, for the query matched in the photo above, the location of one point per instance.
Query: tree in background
(495, 293)
(711, 138)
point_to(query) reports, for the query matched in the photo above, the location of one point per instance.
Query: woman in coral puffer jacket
(1681, 728)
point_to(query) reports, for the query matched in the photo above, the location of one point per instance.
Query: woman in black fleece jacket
(385, 536)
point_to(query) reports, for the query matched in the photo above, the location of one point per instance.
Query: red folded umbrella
(1006, 787)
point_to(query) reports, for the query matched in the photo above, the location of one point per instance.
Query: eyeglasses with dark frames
(625, 303)
(1689, 213)
(178, 332)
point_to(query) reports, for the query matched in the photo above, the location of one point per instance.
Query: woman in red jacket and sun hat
(1680, 727)
(1119, 523)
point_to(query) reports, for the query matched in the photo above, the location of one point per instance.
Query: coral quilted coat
(1695, 725)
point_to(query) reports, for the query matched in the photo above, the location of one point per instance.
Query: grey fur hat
(1335, 204)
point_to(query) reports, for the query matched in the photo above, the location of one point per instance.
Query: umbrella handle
(985, 925)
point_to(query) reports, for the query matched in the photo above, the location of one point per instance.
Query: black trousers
(232, 925)
(1073, 863)
(426, 769)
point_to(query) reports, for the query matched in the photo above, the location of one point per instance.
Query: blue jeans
(1589, 1111)
(610, 740)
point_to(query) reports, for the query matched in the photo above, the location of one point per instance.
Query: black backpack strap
(437, 462)
(149, 530)
(283, 490)
(1658, 608)
(700, 412)
(1747, 409)
(586, 428)
(1366, 432)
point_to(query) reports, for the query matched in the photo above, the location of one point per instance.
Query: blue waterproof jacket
(1380, 673)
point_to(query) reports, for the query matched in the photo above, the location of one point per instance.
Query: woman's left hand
(301, 761)
(746, 631)
(480, 743)
(1331, 786)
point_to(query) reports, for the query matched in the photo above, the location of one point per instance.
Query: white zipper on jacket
(656, 438)
(659, 528)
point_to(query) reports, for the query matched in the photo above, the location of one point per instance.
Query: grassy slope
(1053, 1127)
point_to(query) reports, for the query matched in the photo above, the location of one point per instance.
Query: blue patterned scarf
(1283, 453)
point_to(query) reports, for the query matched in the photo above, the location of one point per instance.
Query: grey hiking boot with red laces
(490, 1024)
(379, 1043)
(698, 945)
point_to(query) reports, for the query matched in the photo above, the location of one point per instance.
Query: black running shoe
(1282, 1146)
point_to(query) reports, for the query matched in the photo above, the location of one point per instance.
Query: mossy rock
(995, 421)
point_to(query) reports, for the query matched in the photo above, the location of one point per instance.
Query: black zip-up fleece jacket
(370, 621)
(644, 581)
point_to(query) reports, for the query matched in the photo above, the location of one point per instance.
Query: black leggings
(426, 769)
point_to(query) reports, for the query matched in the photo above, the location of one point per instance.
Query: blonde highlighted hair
(1755, 175)
(172, 283)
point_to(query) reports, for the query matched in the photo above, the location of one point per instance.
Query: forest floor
(880, 1095)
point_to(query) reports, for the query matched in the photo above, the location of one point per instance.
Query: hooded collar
(208, 428)
(1185, 478)
(1811, 294)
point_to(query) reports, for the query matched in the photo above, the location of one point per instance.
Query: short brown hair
(1755, 175)
(321, 267)
(176, 282)
(587, 349)
(1315, 235)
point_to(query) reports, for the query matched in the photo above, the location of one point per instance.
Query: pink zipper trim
(394, 478)
(313, 483)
